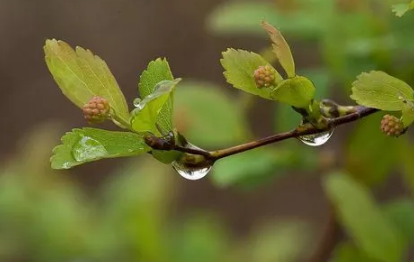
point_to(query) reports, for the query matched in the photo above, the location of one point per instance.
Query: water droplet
(316, 139)
(191, 173)
(137, 103)
(87, 149)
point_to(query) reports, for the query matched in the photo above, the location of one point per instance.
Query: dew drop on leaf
(87, 149)
(316, 139)
(190, 173)
(137, 102)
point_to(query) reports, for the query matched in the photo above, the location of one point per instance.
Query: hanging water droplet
(316, 139)
(87, 149)
(191, 173)
(137, 103)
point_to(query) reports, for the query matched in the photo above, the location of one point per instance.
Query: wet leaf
(81, 75)
(379, 90)
(145, 117)
(90, 144)
(157, 71)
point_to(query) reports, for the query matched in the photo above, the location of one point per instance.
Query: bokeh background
(265, 205)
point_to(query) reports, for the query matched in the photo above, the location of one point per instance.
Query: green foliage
(309, 21)
(401, 9)
(148, 112)
(281, 49)
(239, 67)
(207, 116)
(367, 163)
(401, 213)
(157, 71)
(347, 252)
(81, 75)
(297, 91)
(363, 219)
(379, 90)
(90, 144)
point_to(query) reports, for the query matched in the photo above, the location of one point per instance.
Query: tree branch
(354, 113)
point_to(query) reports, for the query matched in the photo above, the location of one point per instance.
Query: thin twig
(358, 112)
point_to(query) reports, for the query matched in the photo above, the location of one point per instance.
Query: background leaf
(363, 220)
(401, 9)
(297, 91)
(148, 112)
(347, 252)
(239, 68)
(81, 75)
(213, 119)
(89, 144)
(363, 160)
(281, 49)
(157, 71)
(379, 90)
(401, 213)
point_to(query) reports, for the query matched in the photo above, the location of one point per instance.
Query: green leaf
(298, 91)
(213, 119)
(81, 75)
(408, 114)
(292, 239)
(148, 112)
(89, 144)
(239, 68)
(401, 9)
(366, 163)
(379, 90)
(281, 49)
(309, 21)
(363, 220)
(347, 252)
(246, 168)
(157, 71)
(401, 213)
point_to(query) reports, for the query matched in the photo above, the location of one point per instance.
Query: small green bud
(96, 110)
(392, 126)
(264, 76)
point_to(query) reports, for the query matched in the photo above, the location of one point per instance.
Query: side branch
(358, 113)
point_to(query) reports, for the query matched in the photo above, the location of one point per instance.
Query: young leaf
(81, 75)
(408, 114)
(147, 114)
(363, 220)
(281, 49)
(89, 144)
(379, 90)
(298, 91)
(240, 66)
(157, 71)
(401, 9)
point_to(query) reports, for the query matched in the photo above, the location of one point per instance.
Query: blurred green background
(265, 205)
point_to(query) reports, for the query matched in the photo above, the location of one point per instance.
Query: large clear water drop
(190, 173)
(316, 139)
(87, 149)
